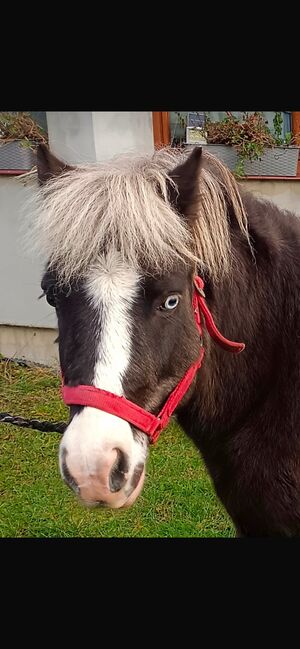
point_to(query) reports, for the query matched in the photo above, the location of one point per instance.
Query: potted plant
(249, 147)
(19, 137)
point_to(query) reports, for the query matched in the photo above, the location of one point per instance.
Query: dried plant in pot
(248, 147)
(20, 135)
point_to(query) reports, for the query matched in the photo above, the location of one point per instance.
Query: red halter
(152, 425)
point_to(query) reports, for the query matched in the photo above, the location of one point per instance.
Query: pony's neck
(247, 306)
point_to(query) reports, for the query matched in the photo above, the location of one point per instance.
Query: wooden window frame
(296, 133)
(296, 126)
(161, 128)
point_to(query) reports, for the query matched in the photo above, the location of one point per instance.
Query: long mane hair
(125, 204)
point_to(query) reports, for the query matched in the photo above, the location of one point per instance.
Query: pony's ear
(185, 177)
(48, 165)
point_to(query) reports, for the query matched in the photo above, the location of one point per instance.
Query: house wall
(20, 271)
(284, 193)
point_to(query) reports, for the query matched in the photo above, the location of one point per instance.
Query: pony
(122, 243)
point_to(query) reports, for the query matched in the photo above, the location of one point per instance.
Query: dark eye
(171, 303)
(51, 296)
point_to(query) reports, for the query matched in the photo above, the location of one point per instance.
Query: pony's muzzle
(109, 484)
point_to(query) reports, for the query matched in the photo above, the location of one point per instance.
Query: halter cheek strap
(200, 306)
(152, 425)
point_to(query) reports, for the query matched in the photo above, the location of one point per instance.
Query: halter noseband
(152, 425)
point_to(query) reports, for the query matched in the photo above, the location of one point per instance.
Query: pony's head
(123, 240)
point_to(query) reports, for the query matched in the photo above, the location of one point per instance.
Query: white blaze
(112, 288)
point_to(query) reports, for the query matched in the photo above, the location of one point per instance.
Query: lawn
(178, 499)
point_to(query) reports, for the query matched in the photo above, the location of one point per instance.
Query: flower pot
(15, 156)
(277, 161)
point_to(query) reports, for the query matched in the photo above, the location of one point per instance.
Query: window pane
(40, 118)
(177, 127)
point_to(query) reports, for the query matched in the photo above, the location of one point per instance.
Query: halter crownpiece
(152, 425)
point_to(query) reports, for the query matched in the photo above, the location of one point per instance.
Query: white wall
(20, 272)
(284, 193)
(94, 136)
(71, 135)
(122, 132)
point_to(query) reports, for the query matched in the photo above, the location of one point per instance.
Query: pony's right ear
(48, 165)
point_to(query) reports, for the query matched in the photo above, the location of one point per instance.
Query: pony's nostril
(117, 476)
(68, 478)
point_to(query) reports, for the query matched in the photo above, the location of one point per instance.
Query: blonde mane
(123, 204)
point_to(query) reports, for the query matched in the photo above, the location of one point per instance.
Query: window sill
(270, 178)
(13, 172)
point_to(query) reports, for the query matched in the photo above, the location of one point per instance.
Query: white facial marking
(93, 434)
(112, 288)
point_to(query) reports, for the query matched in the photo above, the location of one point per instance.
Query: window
(180, 119)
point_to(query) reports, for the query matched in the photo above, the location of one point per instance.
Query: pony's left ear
(48, 165)
(186, 177)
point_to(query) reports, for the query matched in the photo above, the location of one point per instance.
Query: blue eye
(171, 302)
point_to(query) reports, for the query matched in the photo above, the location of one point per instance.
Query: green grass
(178, 499)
